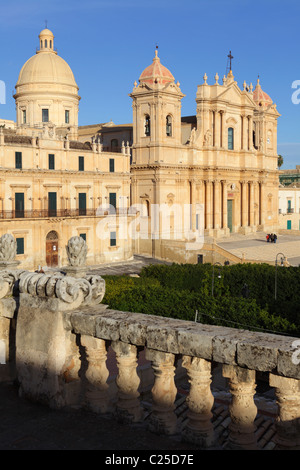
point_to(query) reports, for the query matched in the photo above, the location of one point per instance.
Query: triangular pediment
(233, 94)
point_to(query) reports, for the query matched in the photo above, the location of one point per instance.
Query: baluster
(163, 418)
(97, 374)
(242, 408)
(199, 428)
(128, 381)
(288, 421)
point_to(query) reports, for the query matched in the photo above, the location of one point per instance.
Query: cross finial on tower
(46, 24)
(230, 57)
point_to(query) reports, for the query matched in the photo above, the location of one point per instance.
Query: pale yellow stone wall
(36, 180)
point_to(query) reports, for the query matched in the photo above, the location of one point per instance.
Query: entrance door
(52, 249)
(229, 214)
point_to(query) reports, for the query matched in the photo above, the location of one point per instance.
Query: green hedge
(243, 295)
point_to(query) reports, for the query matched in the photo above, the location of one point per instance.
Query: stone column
(217, 129)
(199, 428)
(128, 381)
(251, 204)
(163, 418)
(224, 196)
(217, 205)
(288, 422)
(242, 408)
(250, 136)
(97, 374)
(208, 204)
(222, 133)
(244, 214)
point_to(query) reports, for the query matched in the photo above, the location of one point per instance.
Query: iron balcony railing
(37, 213)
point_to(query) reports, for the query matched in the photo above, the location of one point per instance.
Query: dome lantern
(46, 41)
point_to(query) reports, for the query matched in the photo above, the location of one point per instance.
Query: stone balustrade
(241, 353)
(65, 337)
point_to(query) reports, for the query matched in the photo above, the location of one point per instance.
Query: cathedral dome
(46, 90)
(156, 73)
(261, 98)
(46, 66)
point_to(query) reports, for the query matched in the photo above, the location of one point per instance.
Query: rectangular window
(51, 159)
(52, 204)
(113, 200)
(45, 115)
(113, 238)
(81, 163)
(67, 116)
(20, 246)
(18, 159)
(230, 138)
(82, 203)
(19, 205)
(111, 165)
(83, 235)
(24, 116)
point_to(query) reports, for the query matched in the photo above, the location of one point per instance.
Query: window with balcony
(82, 203)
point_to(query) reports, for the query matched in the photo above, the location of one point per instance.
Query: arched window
(147, 125)
(114, 145)
(169, 126)
(41, 44)
(230, 138)
(46, 43)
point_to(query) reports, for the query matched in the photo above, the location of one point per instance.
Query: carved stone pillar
(224, 205)
(242, 408)
(251, 204)
(244, 214)
(199, 428)
(208, 204)
(217, 205)
(163, 418)
(128, 381)
(97, 374)
(288, 422)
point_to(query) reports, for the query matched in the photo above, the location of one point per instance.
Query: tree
(280, 161)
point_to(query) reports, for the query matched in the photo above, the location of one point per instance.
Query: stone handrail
(241, 353)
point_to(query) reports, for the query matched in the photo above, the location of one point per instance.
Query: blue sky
(108, 43)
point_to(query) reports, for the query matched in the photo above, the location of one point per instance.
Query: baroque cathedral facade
(162, 186)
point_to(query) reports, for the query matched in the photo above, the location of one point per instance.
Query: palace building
(52, 186)
(170, 182)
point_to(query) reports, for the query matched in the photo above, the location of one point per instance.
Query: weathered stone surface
(257, 351)
(8, 307)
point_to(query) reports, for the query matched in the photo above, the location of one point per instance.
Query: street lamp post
(213, 276)
(281, 264)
